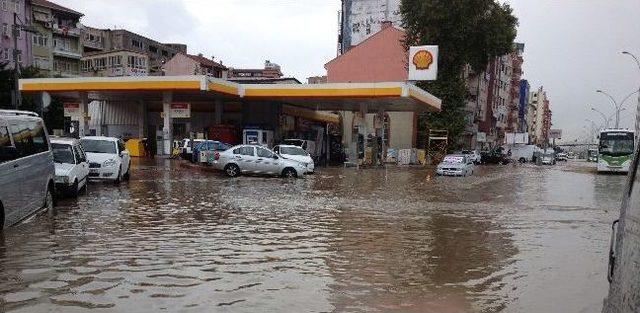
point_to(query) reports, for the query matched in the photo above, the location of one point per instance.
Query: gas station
(170, 108)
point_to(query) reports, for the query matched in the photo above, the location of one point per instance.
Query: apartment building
(523, 99)
(115, 63)
(539, 116)
(7, 48)
(157, 52)
(57, 48)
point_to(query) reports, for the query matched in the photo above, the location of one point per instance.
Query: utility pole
(15, 32)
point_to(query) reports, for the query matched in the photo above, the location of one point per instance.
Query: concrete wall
(401, 124)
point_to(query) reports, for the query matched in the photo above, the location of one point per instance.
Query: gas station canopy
(391, 96)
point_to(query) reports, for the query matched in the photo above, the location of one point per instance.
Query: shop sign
(71, 109)
(423, 63)
(180, 110)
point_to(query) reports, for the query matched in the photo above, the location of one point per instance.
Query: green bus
(615, 150)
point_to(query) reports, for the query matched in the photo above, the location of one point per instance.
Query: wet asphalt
(509, 239)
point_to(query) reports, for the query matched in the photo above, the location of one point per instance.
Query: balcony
(66, 31)
(93, 45)
(67, 53)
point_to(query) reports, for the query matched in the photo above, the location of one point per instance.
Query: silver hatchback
(26, 166)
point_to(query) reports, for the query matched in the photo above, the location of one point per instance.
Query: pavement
(515, 238)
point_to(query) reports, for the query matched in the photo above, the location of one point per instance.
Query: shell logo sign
(422, 60)
(423, 63)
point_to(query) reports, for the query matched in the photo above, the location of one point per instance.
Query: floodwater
(509, 239)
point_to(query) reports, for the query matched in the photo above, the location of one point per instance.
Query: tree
(53, 115)
(467, 32)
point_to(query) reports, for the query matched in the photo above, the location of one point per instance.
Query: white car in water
(108, 158)
(295, 153)
(256, 159)
(456, 165)
(72, 168)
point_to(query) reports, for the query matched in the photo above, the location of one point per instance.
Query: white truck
(523, 153)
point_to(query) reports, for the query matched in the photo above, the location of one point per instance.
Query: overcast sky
(572, 47)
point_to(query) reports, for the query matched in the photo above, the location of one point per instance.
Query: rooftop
(206, 62)
(55, 7)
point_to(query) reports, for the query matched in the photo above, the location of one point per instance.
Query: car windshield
(62, 153)
(616, 144)
(293, 151)
(98, 146)
(453, 159)
(293, 142)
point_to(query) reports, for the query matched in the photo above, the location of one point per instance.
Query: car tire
(118, 177)
(232, 170)
(289, 173)
(127, 175)
(73, 190)
(522, 160)
(48, 200)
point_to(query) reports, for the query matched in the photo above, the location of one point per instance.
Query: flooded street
(509, 239)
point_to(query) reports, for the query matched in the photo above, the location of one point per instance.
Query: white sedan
(295, 153)
(256, 159)
(455, 165)
(72, 168)
(108, 158)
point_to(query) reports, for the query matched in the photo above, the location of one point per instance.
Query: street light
(615, 105)
(604, 117)
(638, 105)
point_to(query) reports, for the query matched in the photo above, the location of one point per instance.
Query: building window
(6, 53)
(40, 40)
(165, 53)
(153, 49)
(136, 43)
(5, 29)
(41, 63)
(4, 5)
(131, 61)
(19, 53)
(17, 6)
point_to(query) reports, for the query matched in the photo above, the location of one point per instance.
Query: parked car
(494, 157)
(307, 145)
(456, 165)
(108, 158)
(72, 168)
(26, 167)
(548, 157)
(207, 145)
(186, 147)
(295, 153)
(562, 156)
(256, 159)
(523, 153)
(474, 155)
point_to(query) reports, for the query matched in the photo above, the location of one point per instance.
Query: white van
(27, 170)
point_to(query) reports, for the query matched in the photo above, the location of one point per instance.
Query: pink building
(187, 64)
(380, 58)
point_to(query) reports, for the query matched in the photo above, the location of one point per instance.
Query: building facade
(157, 52)
(360, 19)
(57, 48)
(539, 115)
(22, 9)
(523, 105)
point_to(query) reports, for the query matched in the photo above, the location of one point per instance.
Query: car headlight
(62, 179)
(109, 163)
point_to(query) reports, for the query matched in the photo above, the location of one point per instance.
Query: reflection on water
(397, 240)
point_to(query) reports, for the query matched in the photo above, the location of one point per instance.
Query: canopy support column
(167, 128)
(84, 108)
